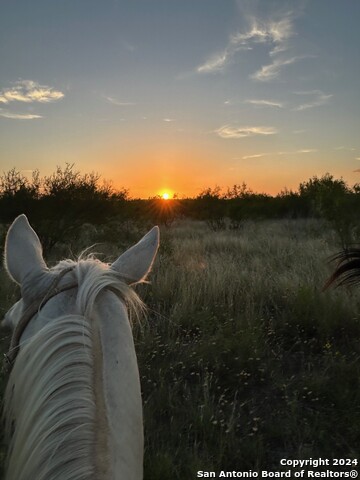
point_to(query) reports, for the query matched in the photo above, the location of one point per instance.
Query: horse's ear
(23, 251)
(135, 263)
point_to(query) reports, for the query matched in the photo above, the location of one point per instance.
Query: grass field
(243, 359)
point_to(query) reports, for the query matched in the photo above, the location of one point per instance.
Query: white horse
(72, 405)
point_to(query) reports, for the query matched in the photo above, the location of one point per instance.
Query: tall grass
(243, 359)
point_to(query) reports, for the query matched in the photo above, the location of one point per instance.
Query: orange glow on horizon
(174, 170)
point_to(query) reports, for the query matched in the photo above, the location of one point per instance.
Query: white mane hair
(56, 410)
(92, 277)
(50, 405)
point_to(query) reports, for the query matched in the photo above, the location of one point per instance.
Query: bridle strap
(30, 311)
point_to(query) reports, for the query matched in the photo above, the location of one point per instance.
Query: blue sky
(181, 95)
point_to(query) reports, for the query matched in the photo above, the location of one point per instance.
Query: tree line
(61, 202)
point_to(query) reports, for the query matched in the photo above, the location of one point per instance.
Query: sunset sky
(179, 95)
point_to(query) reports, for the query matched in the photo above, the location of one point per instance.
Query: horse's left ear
(135, 263)
(23, 251)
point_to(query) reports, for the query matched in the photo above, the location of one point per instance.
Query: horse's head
(25, 264)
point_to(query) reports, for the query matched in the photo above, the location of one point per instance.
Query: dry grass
(244, 359)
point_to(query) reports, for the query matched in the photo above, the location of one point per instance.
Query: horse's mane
(94, 276)
(51, 391)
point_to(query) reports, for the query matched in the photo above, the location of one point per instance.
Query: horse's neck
(118, 422)
(120, 403)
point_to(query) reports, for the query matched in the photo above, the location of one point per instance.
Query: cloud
(318, 98)
(257, 155)
(18, 116)
(296, 152)
(265, 103)
(28, 91)
(228, 131)
(274, 33)
(350, 149)
(118, 103)
(291, 152)
(216, 63)
(306, 150)
(168, 120)
(271, 71)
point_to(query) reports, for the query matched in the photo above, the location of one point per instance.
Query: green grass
(243, 359)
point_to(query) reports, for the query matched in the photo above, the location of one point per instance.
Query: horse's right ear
(136, 263)
(23, 251)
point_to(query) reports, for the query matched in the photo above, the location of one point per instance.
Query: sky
(181, 95)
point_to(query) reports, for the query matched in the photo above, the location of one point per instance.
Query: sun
(165, 194)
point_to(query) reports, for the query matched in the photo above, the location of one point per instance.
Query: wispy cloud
(28, 91)
(274, 33)
(168, 120)
(265, 103)
(317, 98)
(18, 116)
(217, 62)
(349, 149)
(118, 103)
(271, 71)
(228, 131)
(290, 152)
(256, 155)
(305, 150)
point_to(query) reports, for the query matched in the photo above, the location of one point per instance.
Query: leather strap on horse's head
(31, 310)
